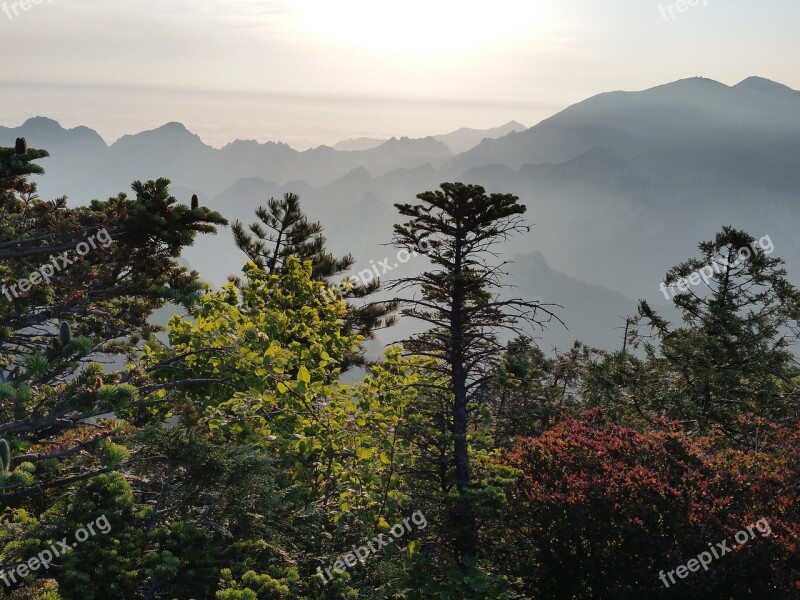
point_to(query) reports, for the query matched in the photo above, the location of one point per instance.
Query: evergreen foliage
(231, 460)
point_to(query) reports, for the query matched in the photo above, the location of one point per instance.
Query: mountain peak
(763, 85)
(534, 261)
(173, 131)
(174, 126)
(405, 142)
(44, 130)
(42, 123)
(357, 144)
(357, 174)
(694, 82)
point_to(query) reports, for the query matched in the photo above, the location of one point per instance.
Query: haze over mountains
(458, 141)
(192, 163)
(619, 187)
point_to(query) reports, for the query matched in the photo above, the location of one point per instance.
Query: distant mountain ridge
(457, 141)
(466, 138)
(172, 150)
(358, 144)
(619, 187)
(657, 126)
(696, 111)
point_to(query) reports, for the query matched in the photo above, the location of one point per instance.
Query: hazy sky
(316, 71)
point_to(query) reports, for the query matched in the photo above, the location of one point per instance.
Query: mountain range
(619, 187)
(457, 141)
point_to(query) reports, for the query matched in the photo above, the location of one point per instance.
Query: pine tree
(531, 390)
(16, 165)
(733, 353)
(461, 225)
(98, 302)
(288, 233)
(285, 231)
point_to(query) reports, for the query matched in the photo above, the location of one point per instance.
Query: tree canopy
(224, 454)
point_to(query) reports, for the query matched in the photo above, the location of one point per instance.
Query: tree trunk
(463, 517)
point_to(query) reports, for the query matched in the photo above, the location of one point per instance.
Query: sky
(311, 72)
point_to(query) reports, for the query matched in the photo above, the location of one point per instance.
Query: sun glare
(423, 28)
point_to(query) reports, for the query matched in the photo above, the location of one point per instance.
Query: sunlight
(424, 28)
